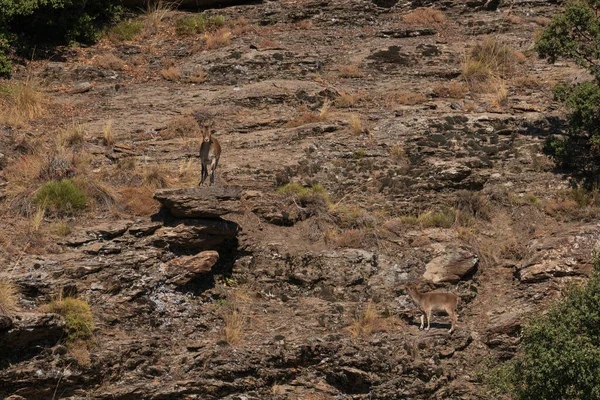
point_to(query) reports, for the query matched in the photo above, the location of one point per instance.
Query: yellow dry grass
(366, 322)
(424, 16)
(21, 102)
(9, 296)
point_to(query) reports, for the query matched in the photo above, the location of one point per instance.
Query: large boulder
(201, 202)
(29, 329)
(451, 266)
(562, 254)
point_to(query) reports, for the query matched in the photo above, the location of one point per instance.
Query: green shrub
(440, 219)
(198, 24)
(78, 317)
(305, 194)
(26, 25)
(60, 196)
(124, 30)
(574, 35)
(560, 353)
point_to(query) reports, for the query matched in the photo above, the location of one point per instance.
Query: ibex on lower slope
(210, 149)
(434, 301)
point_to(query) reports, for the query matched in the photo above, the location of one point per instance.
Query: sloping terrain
(423, 177)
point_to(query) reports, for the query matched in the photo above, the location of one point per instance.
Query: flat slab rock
(202, 202)
(183, 269)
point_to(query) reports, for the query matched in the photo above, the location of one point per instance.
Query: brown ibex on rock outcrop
(210, 149)
(434, 301)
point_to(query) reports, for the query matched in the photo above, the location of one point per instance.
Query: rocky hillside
(366, 145)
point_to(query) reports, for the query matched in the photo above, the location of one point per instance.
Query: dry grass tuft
(109, 61)
(21, 102)
(355, 124)
(170, 74)
(108, 135)
(350, 238)
(489, 59)
(407, 97)
(303, 25)
(397, 152)
(454, 90)
(515, 20)
(311, 117)
(180, 127)
(37, 218)
(350, 71)
(155, 12)
(234, 327)
(346, 100)
(155, 177)
(367, 322)
(528, 82)
(424, 16)
(139, 200)
(217, 39)
(80, 352)
(198, 76)
(72, 135)
(500, 93)
(9, 296)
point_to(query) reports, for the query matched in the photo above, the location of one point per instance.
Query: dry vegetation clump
(453, 90)
(424, 16)
(350, 71)
(475, 204)
(397, 152)
(9, 296)
(155, 12)
(99, 194)
(574, 204)
(108, 135)
(310, 117)
(124, 31)
(350, 238)
(181, 127)
(155, 177)
(346, 100)
(217, 39)
(239, 26)
(303, 25)
(486, 60)
(500, 92)
(355, 124)
(72, 135)
(233, 332)
(367, 322)
(198, 76)
(406, 97)
(139, 200)
(109, 61)
(170, 74)
(21, 102)
(528, 82)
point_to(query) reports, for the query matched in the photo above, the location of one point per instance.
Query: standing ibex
(434, 301)
(210, 150)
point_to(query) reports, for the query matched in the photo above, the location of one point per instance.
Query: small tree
(575, 35)
(560, 351)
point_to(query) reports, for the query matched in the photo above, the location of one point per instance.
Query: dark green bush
(60, 196)
(25, 24)
(575, 35)
(560, 351)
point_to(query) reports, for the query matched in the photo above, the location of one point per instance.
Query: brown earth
(276, 312)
